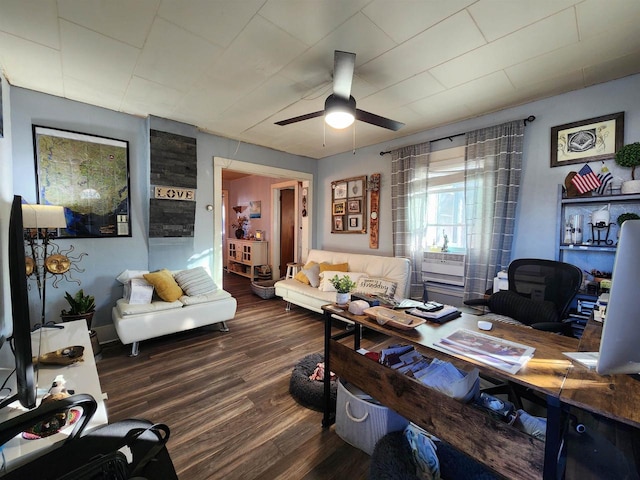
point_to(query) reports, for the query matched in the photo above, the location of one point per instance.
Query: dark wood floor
(225, 396)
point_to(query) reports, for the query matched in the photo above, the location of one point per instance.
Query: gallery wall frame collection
(597, 138)
(348, 205)
(89, 176)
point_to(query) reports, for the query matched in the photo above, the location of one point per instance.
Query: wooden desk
(611, 396)
(501, 447)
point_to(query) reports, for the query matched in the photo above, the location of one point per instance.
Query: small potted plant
(343, 286)
(240, 226)
(629, 156)
(82, 307)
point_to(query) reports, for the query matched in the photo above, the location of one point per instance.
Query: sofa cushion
(129, 309)
(126, 276)
(207, 297)
(302, 277)
(334, 267)
(195, 281)
(326, 276)
(379, 286)
(165, 285)
(313, 275)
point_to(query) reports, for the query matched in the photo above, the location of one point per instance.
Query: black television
(20, 339)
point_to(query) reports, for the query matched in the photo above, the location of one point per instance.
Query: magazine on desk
(497, 352)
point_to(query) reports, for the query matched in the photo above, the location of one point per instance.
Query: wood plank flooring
(226, 396)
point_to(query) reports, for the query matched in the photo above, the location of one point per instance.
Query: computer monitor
(620, 342)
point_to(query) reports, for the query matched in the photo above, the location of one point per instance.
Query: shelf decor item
(629, 156)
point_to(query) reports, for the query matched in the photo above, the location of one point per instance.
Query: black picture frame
(597, 138)
(89, 176)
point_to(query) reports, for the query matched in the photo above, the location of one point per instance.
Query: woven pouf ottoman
(392, 460)
(310, 393)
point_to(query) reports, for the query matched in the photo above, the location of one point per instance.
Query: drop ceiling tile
(82, 91)
(444, 41)
(487, 93)
(174, 57)
(403, 20)
(358, 35)
(542, 37)
(100, 61)
(592, 51)
(123, 20)
(596, 17)
(35, 20)
(309, 22)
(148, 98)
(218, 21)
(414, 88)
(562, 83)
(497, 18)
(29, 65)
(612, 69)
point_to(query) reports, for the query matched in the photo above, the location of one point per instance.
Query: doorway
(303, 229)
(287, 229)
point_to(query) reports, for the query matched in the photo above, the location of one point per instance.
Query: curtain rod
(529, 119)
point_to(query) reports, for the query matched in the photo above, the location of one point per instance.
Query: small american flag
(585, 180)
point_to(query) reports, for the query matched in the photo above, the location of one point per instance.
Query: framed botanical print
(348, 205)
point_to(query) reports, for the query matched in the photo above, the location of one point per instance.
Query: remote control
(431, 307)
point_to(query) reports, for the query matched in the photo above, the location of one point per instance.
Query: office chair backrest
(549, 280)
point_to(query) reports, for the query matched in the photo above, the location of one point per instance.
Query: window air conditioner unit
(445, 268)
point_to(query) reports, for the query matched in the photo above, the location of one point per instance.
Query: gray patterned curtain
(409, 169)
(492, 181)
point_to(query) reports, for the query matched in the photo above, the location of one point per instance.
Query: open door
(287, 228)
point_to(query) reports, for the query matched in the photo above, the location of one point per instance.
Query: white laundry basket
(362, 423)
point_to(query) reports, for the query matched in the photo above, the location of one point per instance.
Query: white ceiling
(234, 67)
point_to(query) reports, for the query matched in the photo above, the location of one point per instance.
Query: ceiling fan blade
(343, 66)
(374, 119)
(300, 118)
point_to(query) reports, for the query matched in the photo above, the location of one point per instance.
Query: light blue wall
(535, 230)
(537, 211)
(107, 257)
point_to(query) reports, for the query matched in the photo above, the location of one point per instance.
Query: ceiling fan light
(339, 119)
(339, 112)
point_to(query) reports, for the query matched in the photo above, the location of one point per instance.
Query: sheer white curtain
(409, 171)
(492, 181)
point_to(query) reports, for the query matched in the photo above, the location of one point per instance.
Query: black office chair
(539, 295)
(147, 443)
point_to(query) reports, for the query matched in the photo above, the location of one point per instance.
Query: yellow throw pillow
(165, 285)
(301, 277)
(338, 267)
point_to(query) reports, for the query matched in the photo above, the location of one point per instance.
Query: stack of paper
(497, 352)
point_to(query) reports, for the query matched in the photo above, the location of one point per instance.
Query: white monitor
(620, 343)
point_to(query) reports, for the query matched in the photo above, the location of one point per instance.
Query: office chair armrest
(555, 327)
(45, 411)
(481, 302)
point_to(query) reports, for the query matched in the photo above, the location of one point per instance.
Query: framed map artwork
(89, 176)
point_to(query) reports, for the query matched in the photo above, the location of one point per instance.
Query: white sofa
(137, 322)
(393, 269)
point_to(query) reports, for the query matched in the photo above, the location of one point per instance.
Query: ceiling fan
(340, 107)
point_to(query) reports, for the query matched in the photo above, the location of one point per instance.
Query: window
(445, 201)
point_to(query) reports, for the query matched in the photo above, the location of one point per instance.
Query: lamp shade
(43, 216)
(339, 112)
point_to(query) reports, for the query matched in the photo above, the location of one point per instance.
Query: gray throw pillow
(313, 274)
